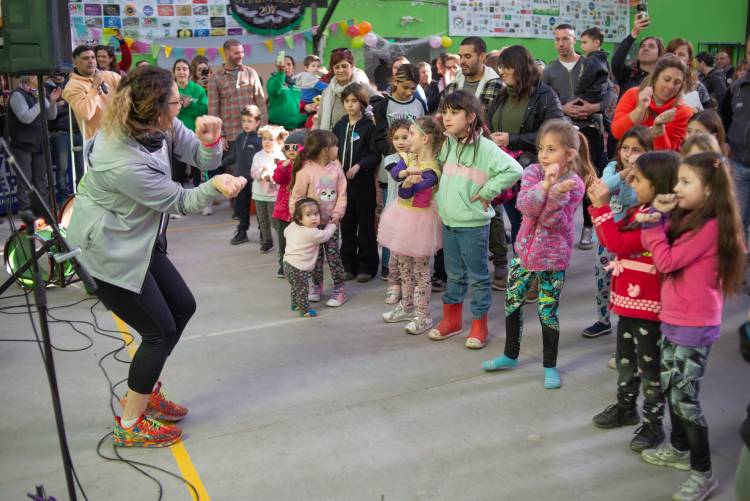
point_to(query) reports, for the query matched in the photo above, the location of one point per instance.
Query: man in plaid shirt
(232, 87)
(475, 77)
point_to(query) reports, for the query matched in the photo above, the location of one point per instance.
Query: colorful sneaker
(146, 432)
(308, 314)
(419, 325)
(316, 291)
(697, 487)
(666, 455)
(338, 298)
(161, 408)
(392, 294)
(398, 314)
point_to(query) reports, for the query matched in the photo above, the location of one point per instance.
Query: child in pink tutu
(410, 226)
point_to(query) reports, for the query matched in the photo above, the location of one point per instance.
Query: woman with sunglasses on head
(343, 73)
(120, 224)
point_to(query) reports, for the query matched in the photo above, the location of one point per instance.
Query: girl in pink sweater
(701, 254)
(317, 174)
(550, 193)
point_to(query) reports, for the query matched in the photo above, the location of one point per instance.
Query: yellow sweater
(89, 103)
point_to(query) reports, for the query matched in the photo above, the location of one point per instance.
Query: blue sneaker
(552, 379)
(500, 363)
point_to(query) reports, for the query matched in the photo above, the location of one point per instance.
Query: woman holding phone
(649, 51)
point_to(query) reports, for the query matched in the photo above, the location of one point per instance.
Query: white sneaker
(419, 325)
(697, 487)
(207, 210)
(398, 314)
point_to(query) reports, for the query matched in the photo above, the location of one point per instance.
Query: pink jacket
(282, 176)
(690, 292)
(326, 184)
(545, 240)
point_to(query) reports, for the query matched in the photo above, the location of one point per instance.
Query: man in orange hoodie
(88, 91)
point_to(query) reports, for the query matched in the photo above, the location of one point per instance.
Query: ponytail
(585, 167)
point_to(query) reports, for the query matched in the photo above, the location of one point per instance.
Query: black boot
(615, 416)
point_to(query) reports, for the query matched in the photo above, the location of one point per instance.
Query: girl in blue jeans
(475, 171)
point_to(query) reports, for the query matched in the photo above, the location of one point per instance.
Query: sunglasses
(292, 147)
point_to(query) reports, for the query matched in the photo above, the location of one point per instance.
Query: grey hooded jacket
(123, 196)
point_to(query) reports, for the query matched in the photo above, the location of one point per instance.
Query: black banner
(268, 17)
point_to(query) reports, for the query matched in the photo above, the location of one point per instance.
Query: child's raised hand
(228, 185)
(411, 180)
(550, 175)
(650, 218)
(598, 193)
(565, 186)
(666, 202)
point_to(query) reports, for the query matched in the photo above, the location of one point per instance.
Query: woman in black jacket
(514, 118)
(649, 51)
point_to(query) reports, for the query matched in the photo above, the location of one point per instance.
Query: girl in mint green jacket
(475, 171)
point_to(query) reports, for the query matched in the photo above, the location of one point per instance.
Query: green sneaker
(666, 455)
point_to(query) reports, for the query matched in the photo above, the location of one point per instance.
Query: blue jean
(60, 141)
(465, 252)
(741, 175)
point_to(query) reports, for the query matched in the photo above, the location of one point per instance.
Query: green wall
(697, 20)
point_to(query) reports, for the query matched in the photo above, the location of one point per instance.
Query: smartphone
(280, 58)
(641, 10)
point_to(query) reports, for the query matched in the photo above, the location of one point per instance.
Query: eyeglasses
(179, 103)
(292, 147)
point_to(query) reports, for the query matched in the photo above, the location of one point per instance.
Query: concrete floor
(345, 407)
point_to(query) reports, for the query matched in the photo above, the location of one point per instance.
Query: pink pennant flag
(298, 37)
(141, 47)
(279, 41)
(334, 28)
(248, 49)
(189, 53)
(211, 53)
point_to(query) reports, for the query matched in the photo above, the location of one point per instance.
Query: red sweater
(674, 131)
(282, 176)
(635, 282)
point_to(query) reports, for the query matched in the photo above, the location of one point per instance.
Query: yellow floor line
(180, 453)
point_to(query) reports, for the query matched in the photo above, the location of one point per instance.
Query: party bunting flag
(201, 51)
(289, 40)
(129, 41)
(178, 52)
(211, 53)
(248, 49)
(155, 50)
(335, 28)
(298, 38)
(189, 53)
(167, 50)
(269, 44)
(308, 35)
(343, 25)
(223, 54)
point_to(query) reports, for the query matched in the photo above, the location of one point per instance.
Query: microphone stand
(40, 298)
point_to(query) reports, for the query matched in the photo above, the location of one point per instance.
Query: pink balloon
(435, 42)
(353, 31)
(371, 39)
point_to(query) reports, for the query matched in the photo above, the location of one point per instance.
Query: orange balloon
(364, 28)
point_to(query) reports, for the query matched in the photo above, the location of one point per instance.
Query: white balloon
(371, 39)
(435, 42)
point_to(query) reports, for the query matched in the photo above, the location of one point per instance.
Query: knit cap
(296, 137)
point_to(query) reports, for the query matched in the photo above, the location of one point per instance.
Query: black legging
(159, 314)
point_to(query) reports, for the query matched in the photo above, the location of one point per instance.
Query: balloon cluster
(362, 35)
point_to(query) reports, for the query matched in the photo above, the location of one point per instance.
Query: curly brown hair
(141, 103)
